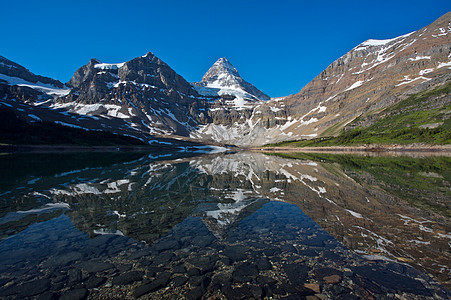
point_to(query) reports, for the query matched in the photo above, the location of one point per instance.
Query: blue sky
(279, 46)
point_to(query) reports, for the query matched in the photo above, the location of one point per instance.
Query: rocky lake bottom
(226, 226)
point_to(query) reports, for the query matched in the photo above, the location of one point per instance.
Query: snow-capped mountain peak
(105, 66)
(223, 79)
(221, 69)
(381, 43)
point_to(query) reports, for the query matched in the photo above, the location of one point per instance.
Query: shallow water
(229, 226)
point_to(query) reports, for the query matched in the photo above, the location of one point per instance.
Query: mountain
(144, 92)
(373, 75)
(142, 98)
(223, 79)
(11, 71)
(19, 83)
(151, 98)
(232, 106)
(99, 97)
(145, 98)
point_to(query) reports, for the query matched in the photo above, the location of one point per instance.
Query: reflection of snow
(113, 187)
(103, 187)
(48, 206)
(238, 195)
(251, 166)
(78, 189)
(106, 231)
(381, 242)
(226, 214)
(118, 214)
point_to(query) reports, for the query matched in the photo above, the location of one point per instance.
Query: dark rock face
(96, 77)
(145, 91)
(151, 70)
(83, 74)
(21, 93)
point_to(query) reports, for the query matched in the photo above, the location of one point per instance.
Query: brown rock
(313, 286)
(332, 279)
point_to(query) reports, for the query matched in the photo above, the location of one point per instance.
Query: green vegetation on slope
(423, 182)
(421, 118)
(14, 130)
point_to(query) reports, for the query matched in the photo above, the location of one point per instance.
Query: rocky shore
(442, 150)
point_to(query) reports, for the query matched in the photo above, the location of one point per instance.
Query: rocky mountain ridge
(145, 92)
(19, 83)
(145, 98)
(12, 69)
(373, 75)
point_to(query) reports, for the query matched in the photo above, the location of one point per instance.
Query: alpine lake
(237, 225)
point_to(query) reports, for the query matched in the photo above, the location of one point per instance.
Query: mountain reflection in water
(236, 225)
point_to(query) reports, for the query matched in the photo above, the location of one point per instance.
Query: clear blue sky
(279, 45)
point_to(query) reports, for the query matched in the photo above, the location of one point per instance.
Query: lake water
(225, 226)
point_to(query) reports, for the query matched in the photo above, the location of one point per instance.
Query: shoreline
(74, 148)
(190, 148)
(444, 150)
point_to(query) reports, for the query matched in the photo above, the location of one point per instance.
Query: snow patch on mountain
(111, 110)
(419, 58)
(376, 43)
(43, 87)
(355, 85)
(104, 66)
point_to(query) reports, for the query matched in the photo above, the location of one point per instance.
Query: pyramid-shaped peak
(149, 55)
(223, 61)
(222, 67)
(223, 75)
